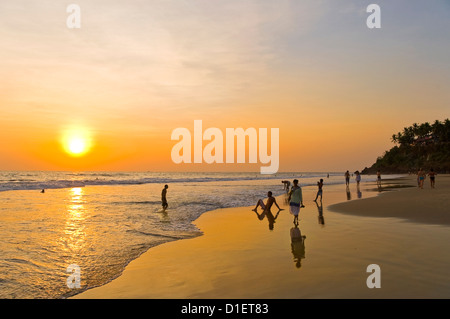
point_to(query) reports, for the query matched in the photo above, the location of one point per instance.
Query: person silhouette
(266, 209)
(319, 191)
(347, 178)
(163, 197)
(432, 175)
(379, 179)
(358, 178)
(295, 200)
(286, 185)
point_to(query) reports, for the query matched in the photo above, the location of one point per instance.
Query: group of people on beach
(358, 178)
(422, 175)
(295, 197)
(295, 200)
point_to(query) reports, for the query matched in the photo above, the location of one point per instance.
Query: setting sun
(76, 142)
(77, 145)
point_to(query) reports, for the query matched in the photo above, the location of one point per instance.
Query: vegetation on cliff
(417, 146)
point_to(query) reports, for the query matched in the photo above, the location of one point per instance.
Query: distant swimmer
(163, 197)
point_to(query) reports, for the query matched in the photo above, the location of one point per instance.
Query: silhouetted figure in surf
(163, 197)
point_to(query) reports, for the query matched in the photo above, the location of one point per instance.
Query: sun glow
(76, 142)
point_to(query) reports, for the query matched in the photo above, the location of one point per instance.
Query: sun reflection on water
(74, 239)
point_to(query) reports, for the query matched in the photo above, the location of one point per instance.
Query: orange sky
(134, 72)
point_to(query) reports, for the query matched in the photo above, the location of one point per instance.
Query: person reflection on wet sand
(269, 215)
(297, 245)
(358, 191)
(349, 195)
(320, 217)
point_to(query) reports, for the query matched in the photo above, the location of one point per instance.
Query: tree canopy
(419, 145)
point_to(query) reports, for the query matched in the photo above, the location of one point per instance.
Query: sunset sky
(136, 70)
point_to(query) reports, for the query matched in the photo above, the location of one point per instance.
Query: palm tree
(425, 129)
(447, 130)
(415, 129)
(438, 130)
(394, 138)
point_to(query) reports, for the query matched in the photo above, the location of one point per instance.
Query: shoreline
(217, 263)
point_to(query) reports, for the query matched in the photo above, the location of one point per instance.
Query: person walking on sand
(432, 175)
(319, 191)
(347, 178)
(358, 178)
(295, 200)
(163, 197)
(421, 174)
(378, 178)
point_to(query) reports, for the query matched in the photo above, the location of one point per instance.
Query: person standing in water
(295, 200)
(378, 178)
(163, 197)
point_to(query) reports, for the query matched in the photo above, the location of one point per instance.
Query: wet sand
(238, 256)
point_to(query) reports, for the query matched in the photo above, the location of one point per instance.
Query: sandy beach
(404, 231)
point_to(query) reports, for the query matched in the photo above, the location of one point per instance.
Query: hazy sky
(136, 70)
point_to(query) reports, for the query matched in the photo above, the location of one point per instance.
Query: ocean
(100, 221)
